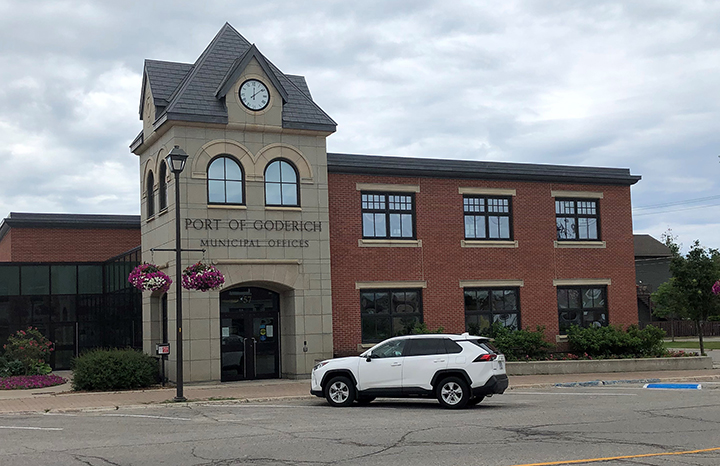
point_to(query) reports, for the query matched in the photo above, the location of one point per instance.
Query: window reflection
(281, 184)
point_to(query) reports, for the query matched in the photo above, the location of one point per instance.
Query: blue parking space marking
(674, 386)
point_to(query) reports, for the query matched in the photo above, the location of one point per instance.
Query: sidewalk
(60, 398)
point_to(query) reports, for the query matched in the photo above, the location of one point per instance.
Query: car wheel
(339, 391)
(365, 400)
(476, 400)
(453, 393)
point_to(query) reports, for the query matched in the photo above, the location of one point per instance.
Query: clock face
(254, 94)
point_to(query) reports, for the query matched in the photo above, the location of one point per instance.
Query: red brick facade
(66, 244)
(6, 248)
(442, 262)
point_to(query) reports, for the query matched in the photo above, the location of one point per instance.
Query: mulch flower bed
(20, 382)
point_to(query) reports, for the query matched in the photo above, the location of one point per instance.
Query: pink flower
(716, 287)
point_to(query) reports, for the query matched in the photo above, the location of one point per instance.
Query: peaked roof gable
(239, 66)
(164, 77)
(647, 246)
(194, 99)
(196, 92)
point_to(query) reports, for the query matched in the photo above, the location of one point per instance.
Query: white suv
(458, 370)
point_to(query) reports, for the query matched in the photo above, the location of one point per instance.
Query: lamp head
(176, 160)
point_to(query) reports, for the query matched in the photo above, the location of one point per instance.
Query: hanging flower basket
(148, 277)
(202, 277)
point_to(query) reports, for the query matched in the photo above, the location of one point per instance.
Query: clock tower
(253, 203)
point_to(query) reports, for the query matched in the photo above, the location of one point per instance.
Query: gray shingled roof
(300, 83)
(193, 95)
(446, 168)
(647, 246)
(165, 77)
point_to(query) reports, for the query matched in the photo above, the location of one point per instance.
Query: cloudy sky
(602, 83)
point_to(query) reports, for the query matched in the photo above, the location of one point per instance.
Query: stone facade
(285, 249)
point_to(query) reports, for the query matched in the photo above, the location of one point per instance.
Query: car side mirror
(369, 358)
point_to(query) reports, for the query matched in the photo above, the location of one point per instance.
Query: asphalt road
(519, 428)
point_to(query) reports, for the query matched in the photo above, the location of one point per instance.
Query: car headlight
(319, 365)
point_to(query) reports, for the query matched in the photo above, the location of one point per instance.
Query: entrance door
(250, 345)
(64, 337)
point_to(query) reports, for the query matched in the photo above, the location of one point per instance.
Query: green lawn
(693, 344)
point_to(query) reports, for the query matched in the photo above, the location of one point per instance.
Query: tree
(669, 302)
(693, 277)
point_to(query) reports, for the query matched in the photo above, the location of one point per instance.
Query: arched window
(281, 184)
(150, 195)
(225, 181)
(162, 191)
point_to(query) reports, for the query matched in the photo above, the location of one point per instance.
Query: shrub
(114, 369)
(11, 367)
(38, 368)
(30, 347)
(614, 341)
(520, 344)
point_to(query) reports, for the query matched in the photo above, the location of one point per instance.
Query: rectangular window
(9, 281)
(487, 218)
(584, 306)
(63, 279)
(35, 279)
(485, 306)
(387, 313)
(577, 220)
(90, 279)
(386, 215)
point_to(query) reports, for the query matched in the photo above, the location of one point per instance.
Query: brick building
(33, 237)
(66, 274)
(484, 242)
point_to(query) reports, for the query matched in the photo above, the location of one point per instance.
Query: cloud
(615, 83)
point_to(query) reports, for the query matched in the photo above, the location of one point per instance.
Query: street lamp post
(176, 161)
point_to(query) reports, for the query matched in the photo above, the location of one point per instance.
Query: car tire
(476, 400)
(365, 400)
(453, 393)
(339, 392)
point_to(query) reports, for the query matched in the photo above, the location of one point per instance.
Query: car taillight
(486, 357)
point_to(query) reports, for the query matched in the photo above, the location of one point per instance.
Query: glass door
(250, 347)
(64, 337)
(265, 342)
(232, 348)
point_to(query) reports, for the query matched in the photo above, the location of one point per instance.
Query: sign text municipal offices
(253, 225)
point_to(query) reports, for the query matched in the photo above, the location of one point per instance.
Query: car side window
(391, 349)
(426, 346)
(451, 347)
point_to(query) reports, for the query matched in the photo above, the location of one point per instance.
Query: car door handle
(439, 360)
(396, 364)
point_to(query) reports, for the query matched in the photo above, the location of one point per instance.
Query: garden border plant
(585, 343)
(24, 364)
(114, 369)
(30, 349)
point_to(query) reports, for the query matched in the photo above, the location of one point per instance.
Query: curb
(161, 404)
(596, 383)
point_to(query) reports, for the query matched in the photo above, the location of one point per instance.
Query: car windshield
(391, 349)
